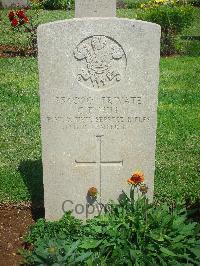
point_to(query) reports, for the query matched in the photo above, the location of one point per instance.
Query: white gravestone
(14, 3)
(98, 88)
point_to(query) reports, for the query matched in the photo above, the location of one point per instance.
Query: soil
(13, 51)
(14, 223)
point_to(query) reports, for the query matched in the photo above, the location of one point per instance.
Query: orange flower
(136, 178)
(92, 192)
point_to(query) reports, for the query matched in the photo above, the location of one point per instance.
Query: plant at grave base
(172, 19)
(21, 22)
(133, 232)
(67, 226)
(56, 252)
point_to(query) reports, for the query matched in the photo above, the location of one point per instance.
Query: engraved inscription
(104, 112)
(100, 162)
(101, 62)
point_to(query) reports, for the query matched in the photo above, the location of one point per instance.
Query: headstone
(98, 88)
(95, 8)
(14, 3)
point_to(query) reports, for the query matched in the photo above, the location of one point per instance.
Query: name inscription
(118, 112)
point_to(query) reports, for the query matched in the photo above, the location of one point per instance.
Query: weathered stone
(14, 3)
(95, 8)
(98, 86)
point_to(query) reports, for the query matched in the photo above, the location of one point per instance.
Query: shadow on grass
(32, 174)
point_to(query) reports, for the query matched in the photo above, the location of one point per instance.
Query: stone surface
(14, 3)
(98, 87)
(95, 8)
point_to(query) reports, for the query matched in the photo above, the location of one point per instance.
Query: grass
(178, 143)
(178, 139)
(19, 138)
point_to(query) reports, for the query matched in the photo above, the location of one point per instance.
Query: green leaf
(179, 221)
(72, 249)
(157, 236)
(188, 229)
(83, 257)
(90, 243)
(178, 238)
(195, 251)
(167, 252)
(133, 254)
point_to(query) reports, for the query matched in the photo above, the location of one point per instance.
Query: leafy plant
(194, 2)
(58, 251)
(67, 226)
(133, 232)
(20, 22)
(172, 19)
(36, 4)
(58, 4)
(133, 3)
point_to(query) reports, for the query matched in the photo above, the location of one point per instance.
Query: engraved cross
(100, 162)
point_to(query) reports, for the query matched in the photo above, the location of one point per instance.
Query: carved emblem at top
(102, 62)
